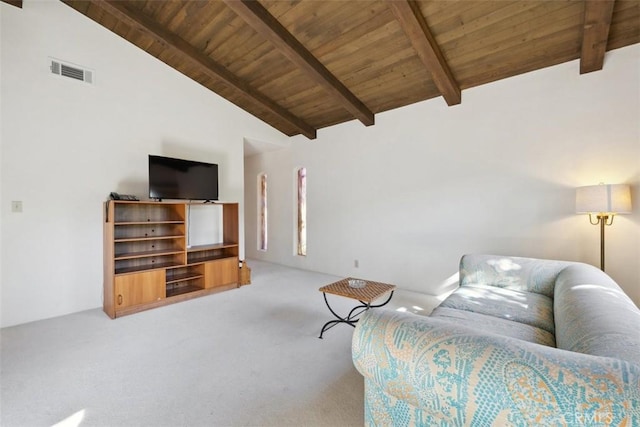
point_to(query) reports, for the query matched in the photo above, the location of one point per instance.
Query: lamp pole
(603, 222)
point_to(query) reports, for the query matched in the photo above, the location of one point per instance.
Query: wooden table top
(368, 294)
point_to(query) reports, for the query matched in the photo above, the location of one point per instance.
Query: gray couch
(522, 341)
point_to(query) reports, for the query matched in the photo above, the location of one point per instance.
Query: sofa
(521, 342)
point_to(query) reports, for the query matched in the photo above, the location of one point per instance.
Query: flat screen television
(182, 179)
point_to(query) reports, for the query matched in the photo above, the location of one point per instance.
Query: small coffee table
(366, 295)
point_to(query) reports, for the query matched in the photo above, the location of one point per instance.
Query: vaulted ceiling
(301, 65)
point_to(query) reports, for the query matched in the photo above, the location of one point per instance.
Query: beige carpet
(246, 357)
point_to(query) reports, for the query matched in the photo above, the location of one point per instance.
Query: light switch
(16, 206)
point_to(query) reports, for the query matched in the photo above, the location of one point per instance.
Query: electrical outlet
(16, 206)
(356, 263)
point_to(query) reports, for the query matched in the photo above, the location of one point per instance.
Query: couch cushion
(496, 325)
(594, 316)
(518, 306)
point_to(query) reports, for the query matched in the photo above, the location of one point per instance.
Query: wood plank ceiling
(301, 65)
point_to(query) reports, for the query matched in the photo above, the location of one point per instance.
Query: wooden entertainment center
(147, 263)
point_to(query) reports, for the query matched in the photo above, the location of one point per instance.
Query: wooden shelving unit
(147, 263)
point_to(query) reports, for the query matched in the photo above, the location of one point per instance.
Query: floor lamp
(604, 201)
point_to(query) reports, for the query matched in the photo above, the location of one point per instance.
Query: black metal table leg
(351, 318)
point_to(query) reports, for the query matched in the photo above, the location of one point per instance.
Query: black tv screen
(182, 179)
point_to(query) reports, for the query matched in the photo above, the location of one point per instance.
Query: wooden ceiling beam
(259, 18)
(16, 3)
(408, 14)
(205, 64)
(595, 33)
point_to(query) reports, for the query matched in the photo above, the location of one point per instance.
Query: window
(262, 212)
(301, 236)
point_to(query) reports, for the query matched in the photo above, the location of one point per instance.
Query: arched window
(301, 235)
(262, 212)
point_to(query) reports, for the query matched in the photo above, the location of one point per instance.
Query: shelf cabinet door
(221, 272)
(139, 288)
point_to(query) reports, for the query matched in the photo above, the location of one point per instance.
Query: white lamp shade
(603, 198)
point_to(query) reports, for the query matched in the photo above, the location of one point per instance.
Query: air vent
(76, 72)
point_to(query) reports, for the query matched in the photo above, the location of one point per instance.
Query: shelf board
(210, 258)
(147, 267)
(142, 239)
(184, 277)
(147, 202)
(117, 223)
(182, 290)
(147, 254)
(214, 246)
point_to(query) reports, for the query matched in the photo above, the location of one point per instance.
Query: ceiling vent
(76, 72)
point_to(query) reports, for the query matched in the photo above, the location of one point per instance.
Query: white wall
(66, 145)
(496, 174)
